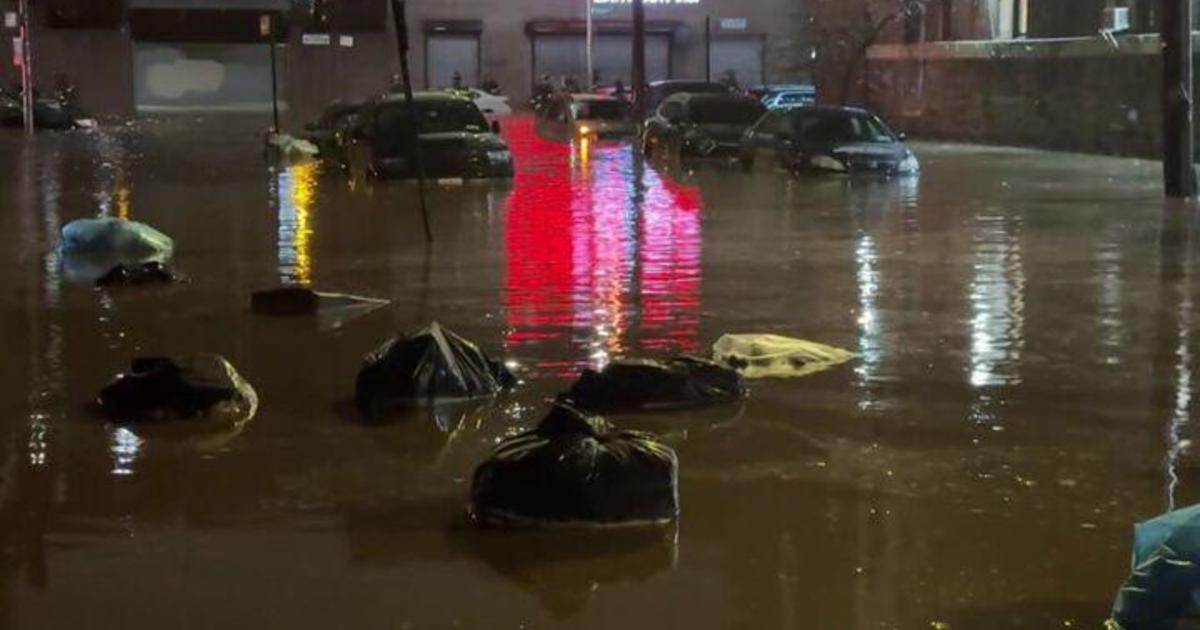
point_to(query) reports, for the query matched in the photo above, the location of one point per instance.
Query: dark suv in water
(456, 140)
(827, 140)
(700, 124)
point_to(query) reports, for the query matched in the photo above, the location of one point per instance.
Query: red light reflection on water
(600, 253)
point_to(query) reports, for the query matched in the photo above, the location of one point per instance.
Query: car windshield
(442, 116)
(835, 127)
(725, 111)
(601, 110)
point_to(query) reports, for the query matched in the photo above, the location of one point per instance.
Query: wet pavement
(1024, 323)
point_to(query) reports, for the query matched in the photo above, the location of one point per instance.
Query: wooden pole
(401, 24)
(1179, 173)
(639, 61)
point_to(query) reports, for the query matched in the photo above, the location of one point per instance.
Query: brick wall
(1077, 95)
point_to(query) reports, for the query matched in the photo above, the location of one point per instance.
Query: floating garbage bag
(331, 309)
(576, 469)
(91, 248)
(430, 366)
(773, 356)
(159, 388)
(146, 273)
(117, 236)
(288, 144)
(1163, 588)
(642, 384)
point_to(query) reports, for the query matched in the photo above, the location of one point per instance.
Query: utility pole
(415, 118)
(591, 70)
(639, 61)
(27, 101)
(270, 29)
(1179, 173)
(708, 48)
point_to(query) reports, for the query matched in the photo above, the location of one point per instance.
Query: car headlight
(499, 156)
(827, 163)
(585, 130)
(909, 164)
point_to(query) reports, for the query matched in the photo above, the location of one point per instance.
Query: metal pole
(1179, 174)
(274, 76)
(27, 100)
(401, 24)
(591, 71)
(639, 61)
(708, 48)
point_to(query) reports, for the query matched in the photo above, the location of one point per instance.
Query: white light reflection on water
(1182, 404)
(997, 301)
(125, 447)
(1109, 259)
(866, 260)
(294, 191)
(46, 366)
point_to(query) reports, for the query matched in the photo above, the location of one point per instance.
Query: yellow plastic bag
(773, 356)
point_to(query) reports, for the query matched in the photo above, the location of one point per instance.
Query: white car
(493, 107)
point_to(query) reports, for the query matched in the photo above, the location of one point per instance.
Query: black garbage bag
(159, 388)
(430, 366)
(577, 469)
(153, 272)
(642, 384)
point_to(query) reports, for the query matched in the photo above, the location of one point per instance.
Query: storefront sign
(264, 25)
(10, 19)
(315, 39)
(346, 41)
(18, 52)
(734, 24)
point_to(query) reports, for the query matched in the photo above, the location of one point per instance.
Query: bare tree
(848, 28)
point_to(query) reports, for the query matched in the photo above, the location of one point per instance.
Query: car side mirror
(495, 126)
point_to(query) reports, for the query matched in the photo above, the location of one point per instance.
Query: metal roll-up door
(447, 54)
(742, 55)
(560, 56)
(612, 57)
(203, 77)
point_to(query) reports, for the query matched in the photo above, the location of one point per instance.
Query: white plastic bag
(90, 248)
(774, 356)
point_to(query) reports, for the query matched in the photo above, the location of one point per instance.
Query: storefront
(169, 55)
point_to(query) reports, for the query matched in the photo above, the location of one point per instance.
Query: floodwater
(1023, 391)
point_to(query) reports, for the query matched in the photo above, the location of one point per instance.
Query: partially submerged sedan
(700, 125)
(593, 116)
(456, 140)
(827, 140)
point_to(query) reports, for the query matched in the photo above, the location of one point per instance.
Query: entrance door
(448, 54)
(203, 77)
(741, 54)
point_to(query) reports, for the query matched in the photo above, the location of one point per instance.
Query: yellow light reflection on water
(122, 199)
(298, 191)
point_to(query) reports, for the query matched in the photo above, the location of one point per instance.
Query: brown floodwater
(1024, 324)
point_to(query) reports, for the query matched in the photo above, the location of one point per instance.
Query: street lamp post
(591, 73)
(1179, 175)
(27, 101)
(639, 60)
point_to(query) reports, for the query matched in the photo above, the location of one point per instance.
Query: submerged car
(331, 131)
(456, 140)
(48, 113)
(593, 116)
(827, 140)
(788, 99)
(658, 91)
(700, 124)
